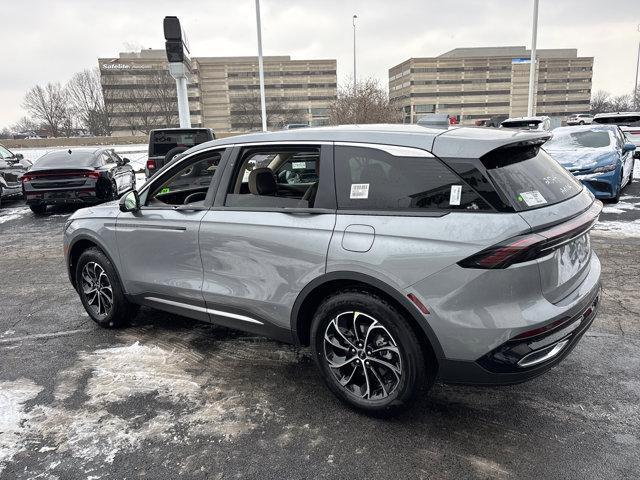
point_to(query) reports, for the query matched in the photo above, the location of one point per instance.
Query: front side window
(187, 183)
(372, 179)
(275, 177)
(4, 153)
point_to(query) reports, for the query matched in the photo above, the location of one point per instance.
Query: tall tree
(368, 103)
(246, 112)
(600, 102)
(48, 105)
(621, 103)
(85, 95)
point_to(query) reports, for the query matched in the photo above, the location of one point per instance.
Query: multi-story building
(223, 92)
(479, 83)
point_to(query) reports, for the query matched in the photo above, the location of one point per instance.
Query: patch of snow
(620, 207)
(13, 396)
(618, 229)
(636, 169)
(8, 214)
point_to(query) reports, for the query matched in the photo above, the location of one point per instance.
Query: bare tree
(621, 103)
(368, 103)
(86, 98)
(24, 125)
(162, 93)
(48, 105)
(600, 102)
(246, 112)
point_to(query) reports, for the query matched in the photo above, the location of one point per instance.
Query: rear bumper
(517, 361)
(80, 196)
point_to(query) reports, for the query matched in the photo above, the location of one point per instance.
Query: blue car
(598, 155)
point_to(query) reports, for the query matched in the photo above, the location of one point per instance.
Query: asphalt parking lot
(172, 398)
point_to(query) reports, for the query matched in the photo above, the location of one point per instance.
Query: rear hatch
(556, 206)
(163, 141)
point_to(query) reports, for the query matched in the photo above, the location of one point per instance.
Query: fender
(376, 283)
(100, 245)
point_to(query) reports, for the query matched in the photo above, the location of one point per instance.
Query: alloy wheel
(362, 355)
(97, 289)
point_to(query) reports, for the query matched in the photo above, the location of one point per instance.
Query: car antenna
(69, 151)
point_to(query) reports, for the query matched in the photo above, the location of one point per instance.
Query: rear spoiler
(513, 152)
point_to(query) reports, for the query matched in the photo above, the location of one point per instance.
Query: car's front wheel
(101, 292)
(368, 353)
(38, 209)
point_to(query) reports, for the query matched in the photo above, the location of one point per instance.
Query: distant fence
(86, 141)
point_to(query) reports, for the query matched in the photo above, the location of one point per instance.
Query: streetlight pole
(532, 67)
(353, 21)
(636, 94)
(263, 105)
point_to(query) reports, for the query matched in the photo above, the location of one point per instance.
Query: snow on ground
(7, 214)
(137, 153)
(625, 204)
(618, 229)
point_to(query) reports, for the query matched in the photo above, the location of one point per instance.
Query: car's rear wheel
(38, 209)
(101, 292)
(368, 354)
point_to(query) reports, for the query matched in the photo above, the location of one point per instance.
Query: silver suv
(401, 254)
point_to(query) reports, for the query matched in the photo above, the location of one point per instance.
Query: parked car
(527, 123)
(598, 155)
(629, 123)
(580, 119)
(402, 254)
(77, 176)
(166, 143)
(12, 167)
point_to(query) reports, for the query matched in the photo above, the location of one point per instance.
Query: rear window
(529, 177)
(524, 124)
(626, 120)
(372, 179)
(71, 158)
(581, 139)
(162, 141)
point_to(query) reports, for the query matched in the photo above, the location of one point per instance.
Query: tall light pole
(353, 21)
(636, 94)
(263, 105)
(532, 67)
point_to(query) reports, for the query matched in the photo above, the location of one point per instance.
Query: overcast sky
(50, 40)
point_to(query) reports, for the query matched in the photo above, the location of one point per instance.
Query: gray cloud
(52, 40)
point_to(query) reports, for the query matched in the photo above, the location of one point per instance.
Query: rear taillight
(151, 164)
(27, 178)
(530, 246)
(93, 175)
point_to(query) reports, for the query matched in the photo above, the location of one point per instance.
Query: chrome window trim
(212, 311)
(395, 150)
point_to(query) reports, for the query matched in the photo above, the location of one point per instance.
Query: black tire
(417, 367)
(122, 311)
(173, 152)
(633, 165)
(38, 209)
(581, 123)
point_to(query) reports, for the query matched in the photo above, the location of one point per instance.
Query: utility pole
(263, 105)
(532, 67)
(353, 21)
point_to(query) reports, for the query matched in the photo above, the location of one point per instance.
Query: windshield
(4, 153)
(581, 139)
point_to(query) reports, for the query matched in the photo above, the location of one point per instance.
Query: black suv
(12, 167)
(166, 143)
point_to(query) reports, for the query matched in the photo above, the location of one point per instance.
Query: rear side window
(372, 179)
(529, 178)
(632, 120)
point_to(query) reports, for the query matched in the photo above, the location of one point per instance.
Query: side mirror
(19, 156)
(628, 147)
(125, 161)
(130, 202)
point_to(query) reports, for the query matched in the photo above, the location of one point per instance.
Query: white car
(629, 123)
(527, 123)
(580, 119)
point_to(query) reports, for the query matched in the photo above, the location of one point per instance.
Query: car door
(264, 241)
(120, 174)
(627, 157)
(158, 245)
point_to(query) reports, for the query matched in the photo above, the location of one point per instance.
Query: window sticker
(165, 190)
(456, 193)
(359, 191)
(298, 165)
(532, 198)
